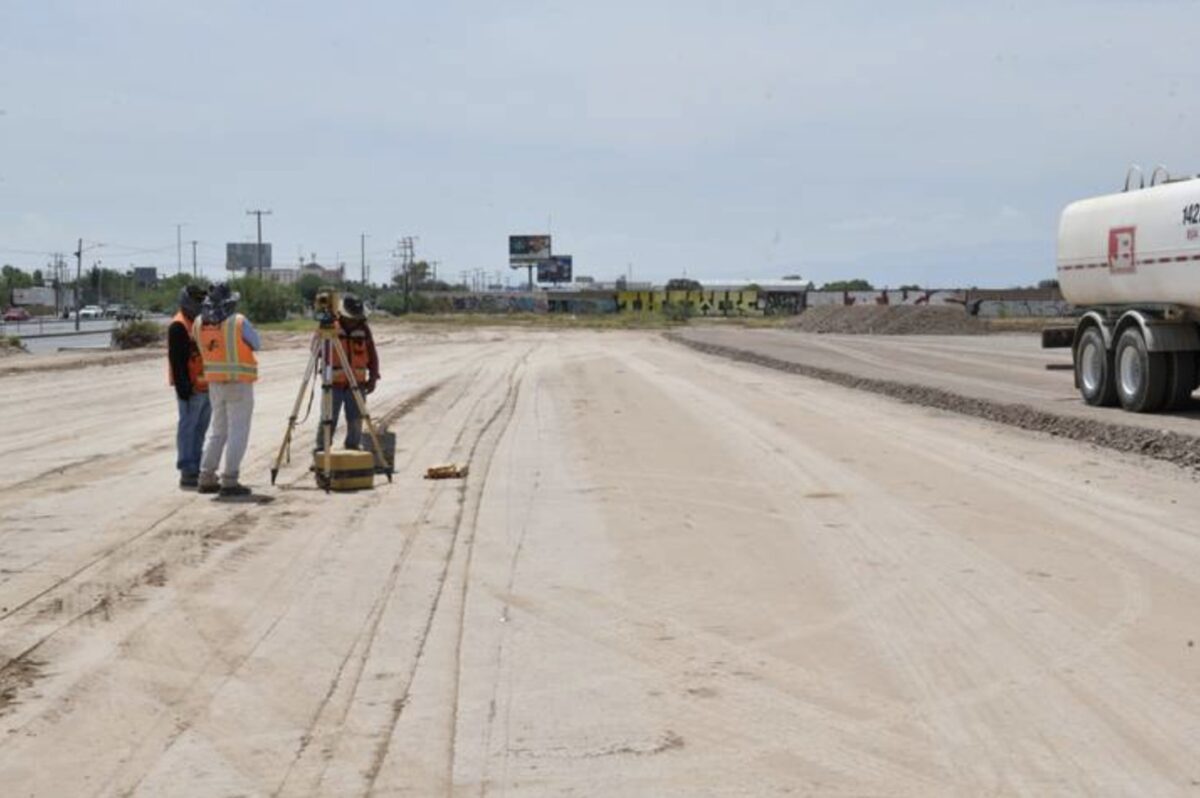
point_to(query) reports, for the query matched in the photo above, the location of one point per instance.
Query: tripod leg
(361, 402)
(284, 447)
(329, 341)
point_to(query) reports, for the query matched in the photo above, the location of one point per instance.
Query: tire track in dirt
(506, 406)
(348, 528)
(510, 584)
(364, 639)
(510, 410)
(19, 664)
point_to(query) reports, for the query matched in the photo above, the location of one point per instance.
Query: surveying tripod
(324, 348)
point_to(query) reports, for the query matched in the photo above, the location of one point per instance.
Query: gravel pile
(890, 320)
(1172, 447)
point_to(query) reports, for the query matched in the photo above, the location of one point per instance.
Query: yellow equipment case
(350, 469)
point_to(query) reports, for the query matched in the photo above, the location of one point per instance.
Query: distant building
(290, 276)
(285, 275)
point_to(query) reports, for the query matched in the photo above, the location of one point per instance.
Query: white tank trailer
(1130, 264)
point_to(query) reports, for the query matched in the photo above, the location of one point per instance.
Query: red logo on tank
(1122, 250)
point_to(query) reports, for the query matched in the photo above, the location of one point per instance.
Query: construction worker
(354, 334)
(227, 344)
(185, 371)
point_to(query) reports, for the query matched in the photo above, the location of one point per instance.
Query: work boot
(207, 483)
(234, 490)
(189, 481)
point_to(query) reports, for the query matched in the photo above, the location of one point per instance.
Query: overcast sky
(903, 142)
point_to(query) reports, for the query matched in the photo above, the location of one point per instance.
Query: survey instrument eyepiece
(325, 307)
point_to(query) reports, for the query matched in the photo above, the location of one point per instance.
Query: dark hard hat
(352, 307)
(220, 303)
(191, 297)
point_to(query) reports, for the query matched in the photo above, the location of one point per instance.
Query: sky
(909, 142)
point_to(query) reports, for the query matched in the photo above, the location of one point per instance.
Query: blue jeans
(194, 415)
(343, 397)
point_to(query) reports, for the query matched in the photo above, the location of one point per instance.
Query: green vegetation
(137, 334)
(265, 300)
(857, 284)
(12, 277)
(677, 312)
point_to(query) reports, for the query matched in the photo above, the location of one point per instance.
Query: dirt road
(667, 574)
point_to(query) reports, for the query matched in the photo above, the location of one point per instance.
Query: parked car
(125, 313)
(17, 314)
(91, 312)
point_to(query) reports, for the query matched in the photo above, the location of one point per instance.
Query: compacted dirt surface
(667, 574)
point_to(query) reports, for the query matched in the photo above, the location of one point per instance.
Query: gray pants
(232, 407)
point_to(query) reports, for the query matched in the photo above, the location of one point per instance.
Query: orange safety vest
(354, 343)
(195, 364)
(227, 358)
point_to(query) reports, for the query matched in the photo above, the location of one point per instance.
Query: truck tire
(1181, 380)
(1141, 375)
(1094, 370)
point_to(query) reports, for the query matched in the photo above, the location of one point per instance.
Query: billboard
(556, 269)
(33, 296)
(145, 276)
(527, 249)
(244, 257)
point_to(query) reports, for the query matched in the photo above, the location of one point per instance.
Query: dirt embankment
(889, 320)
(1173, 447)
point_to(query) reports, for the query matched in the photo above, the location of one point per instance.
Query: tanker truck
(1129, 263)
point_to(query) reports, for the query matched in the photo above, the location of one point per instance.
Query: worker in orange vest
(185, 372)
(359, 345)
(227, 344)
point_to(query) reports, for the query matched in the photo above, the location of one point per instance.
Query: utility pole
(362, 254)
(78, 277)
(194, 272)
(79, 250)
(179, 249)
(405, 252)
(258, 252)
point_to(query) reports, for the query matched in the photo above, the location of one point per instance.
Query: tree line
(262, 300)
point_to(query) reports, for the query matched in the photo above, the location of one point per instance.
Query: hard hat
(352, 307)
(220, 303)
(191, 297)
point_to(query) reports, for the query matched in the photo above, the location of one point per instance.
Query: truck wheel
(1094, 370)
(1141, 374)
(1181, 379)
